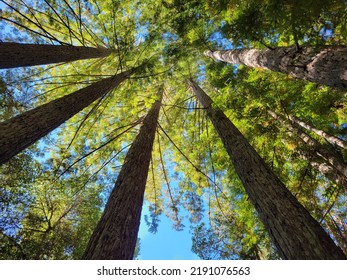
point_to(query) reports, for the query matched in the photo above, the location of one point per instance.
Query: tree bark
(326, 65)
(20, 55)
(332, 158)
(295, 233)
(23, 130)
(330, 138)
(114, 238)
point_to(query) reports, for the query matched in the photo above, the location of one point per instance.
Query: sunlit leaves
(73, 170)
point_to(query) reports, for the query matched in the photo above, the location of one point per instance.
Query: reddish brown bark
(295, 233)
(114, 238)
(19, 55)
(20, 132)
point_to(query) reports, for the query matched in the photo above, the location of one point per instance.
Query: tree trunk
(20, 55)
(114, 238)
(295, 233)
(330, 138)
(326, 65)
(333, 158)
(327, 170)
(23, 130)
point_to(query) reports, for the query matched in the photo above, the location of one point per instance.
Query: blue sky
(167, 243)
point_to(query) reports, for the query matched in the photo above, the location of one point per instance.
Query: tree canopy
(53, 193)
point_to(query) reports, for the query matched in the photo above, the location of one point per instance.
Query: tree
(296, 234)
(23, 130)
(330, 138)
(115, 235)
(52, 219)
(190, 168)
(324, 65)
(333, 158)
(324, 168)
(21, 55)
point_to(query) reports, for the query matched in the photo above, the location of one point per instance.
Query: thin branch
(195, 167)
(105, 164)
(174, 206)
(46, 34)
(98, 148)
(14, 241)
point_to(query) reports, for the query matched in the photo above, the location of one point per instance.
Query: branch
(100, 147)
(174, 206)
(104, 164)
(14, 242)
(195, 167)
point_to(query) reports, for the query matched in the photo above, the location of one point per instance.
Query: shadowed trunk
(295, 233)
(19, 55)
(23, 130)
(326, 65)
(114, 238)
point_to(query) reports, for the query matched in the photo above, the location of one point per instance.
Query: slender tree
(295, 233)
(19, 55)
(324, 168)
(324, 65)
(21, 131)
(333, 158)
(330, 138)
(116, 233)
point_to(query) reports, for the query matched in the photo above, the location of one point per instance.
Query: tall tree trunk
(330, 138)
(114, 238)
(20, 55)
(327, 170)
(326, 65)
(333, 158)
(23, 130)
(295, 233)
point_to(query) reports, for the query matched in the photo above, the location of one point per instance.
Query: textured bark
(326, 65)
(330, 138)
(295, 233)
(20, 55)
(332, 158)
(114, 238)
(20, 132)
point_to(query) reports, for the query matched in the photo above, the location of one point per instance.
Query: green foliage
(52, 195)
(274, 22)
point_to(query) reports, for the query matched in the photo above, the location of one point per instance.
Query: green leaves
(168, 38)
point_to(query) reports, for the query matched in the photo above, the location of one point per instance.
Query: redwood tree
(19, 55)
(21, 131)
(293, 230)
(326, 65)
(116, 233)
